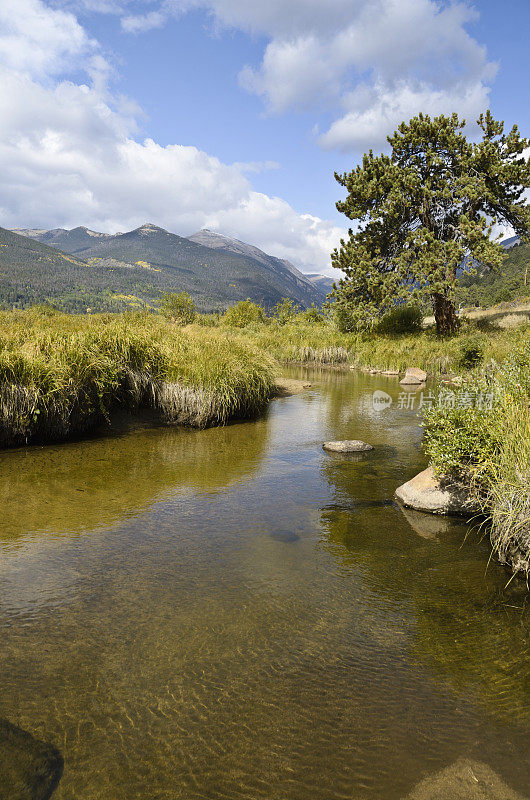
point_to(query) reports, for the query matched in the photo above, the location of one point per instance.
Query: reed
(302, 341)
(61, 375)
(489, 451)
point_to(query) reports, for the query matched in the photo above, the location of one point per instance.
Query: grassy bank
(488, 450)
(299, 341)
(61, 375)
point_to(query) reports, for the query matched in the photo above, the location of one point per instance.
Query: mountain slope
(215, 277)
(323, 282)
(218, 241)
(511, 282)
(32, 272)
(149, 260)
(73, 241)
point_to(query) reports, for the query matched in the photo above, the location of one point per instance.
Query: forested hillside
(105, 272)
(511, 282)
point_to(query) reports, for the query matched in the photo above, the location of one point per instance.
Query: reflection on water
(241, 615)
(83, 485)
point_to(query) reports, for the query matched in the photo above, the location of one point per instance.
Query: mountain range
(80, 268)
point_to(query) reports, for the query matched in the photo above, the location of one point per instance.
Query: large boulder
(464, 780)
(347, 446)
(414, 375)
(426, 492)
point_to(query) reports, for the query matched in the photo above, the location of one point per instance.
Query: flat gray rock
(347, 446)
(426, 492)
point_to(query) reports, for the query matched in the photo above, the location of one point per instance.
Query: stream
(234, 613)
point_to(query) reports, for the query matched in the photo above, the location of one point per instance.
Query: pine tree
(424, 210)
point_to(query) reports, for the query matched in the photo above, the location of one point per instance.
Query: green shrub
(401, 319)
(345, 321)
(504, 295)
(471, 353)
(212, 320)
(284, 311)
(178, 307)
(242, 314)
(313, 315)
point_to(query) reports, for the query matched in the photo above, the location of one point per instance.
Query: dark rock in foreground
(29, 769)
(347, 446)
(426, 492)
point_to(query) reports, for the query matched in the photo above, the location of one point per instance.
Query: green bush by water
(488, 450)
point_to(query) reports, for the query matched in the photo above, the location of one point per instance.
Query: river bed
(234, 613)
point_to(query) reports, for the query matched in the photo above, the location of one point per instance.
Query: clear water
(233, 613)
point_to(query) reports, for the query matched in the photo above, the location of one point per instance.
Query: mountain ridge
(150, 260)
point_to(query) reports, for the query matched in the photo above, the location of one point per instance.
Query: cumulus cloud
(68, 155)
(376, 62)
(39, 40)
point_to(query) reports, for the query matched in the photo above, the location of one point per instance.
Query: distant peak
(88, 231)
(148, 227)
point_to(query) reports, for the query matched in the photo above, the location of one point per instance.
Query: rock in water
(29, 769)
(347, 446)
(426, 492)
(464, 780)
(286, 387)
(414, 375)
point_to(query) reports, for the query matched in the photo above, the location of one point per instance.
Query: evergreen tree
(424, 209)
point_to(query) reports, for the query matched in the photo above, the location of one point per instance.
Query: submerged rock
(426, 492)
(347, 446)
(286, 387)
(428, 526)
(464, 780)
(29, 769)
(414, 375)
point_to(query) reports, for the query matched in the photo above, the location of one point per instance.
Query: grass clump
(61, 375)
(488, 450)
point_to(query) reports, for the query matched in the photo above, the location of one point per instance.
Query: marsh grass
(301, 341)
(488, 450)
(61, 375)
(507, 493)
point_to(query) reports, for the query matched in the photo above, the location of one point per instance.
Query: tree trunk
(444, 314)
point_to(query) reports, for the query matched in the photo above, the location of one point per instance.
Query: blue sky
(229, 114)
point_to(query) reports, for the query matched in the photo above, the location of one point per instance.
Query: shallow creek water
(233, 613)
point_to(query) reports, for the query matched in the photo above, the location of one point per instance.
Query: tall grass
(306, 342)
(61, 375)
(488, 450)
(507, 490)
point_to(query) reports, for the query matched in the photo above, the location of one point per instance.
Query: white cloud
(68, 156)
(372, 111)
(406, 55)
(39, 40)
